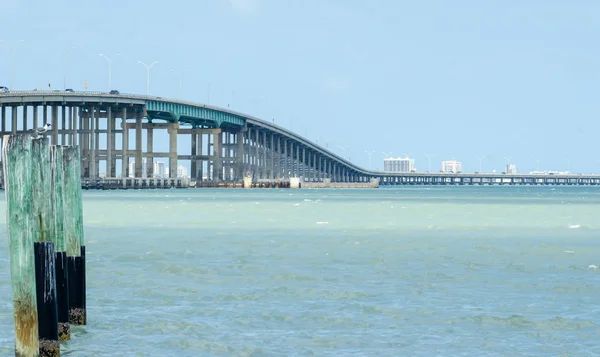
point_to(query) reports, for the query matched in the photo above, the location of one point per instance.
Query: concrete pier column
(138, 145)
(13, 124)
(25, 107)
(74, 118)
(272, 157)
(3, 116)
(292, 165)
(35, 117)
(150, 150)
(44, 116)
(240, 156)
(92, 138)
(124, 145)
(286, 168)
(217, 161)
(304, 166)
(113, 124)
(96, 137)
(209, 163)
(54, 125)
(256, 153)
(109, 143)
(193, 152)
(63, 127)
(199, 161)
(173, 149)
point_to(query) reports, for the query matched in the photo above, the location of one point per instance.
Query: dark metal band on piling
(62, 296)
(46, 298)
(77, 312)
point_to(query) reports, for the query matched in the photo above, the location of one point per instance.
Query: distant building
(182, 171)
(451, 166)
(159, 170)
(132, 169)
(399, 164)
(511, 169)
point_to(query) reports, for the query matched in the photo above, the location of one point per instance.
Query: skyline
(451, 80)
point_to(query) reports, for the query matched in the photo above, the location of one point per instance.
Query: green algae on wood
(17, 164)
(72, 208)
(42, 191)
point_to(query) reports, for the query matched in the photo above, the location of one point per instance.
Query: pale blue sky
(458, 79)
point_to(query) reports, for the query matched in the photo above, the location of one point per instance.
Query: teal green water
(456, 271)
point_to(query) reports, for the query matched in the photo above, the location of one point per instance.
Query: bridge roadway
(225, 145)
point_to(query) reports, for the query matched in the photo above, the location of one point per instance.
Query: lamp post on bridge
(10, 59)
(480, 158)
(109, 69)
(429, 156)
(180, 76)
(148, 67)
(63, 53)
(370, 153)
(344, 148)
(537, 160)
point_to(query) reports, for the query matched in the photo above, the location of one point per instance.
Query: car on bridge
(3, 89)
(114, 91)
(70, 90)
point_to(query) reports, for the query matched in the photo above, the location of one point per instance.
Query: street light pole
(370, 153)
(180, 76)
(344, 148)
(109, 69)
(429, 156)
(148, 79)
(537, 164)
(10, 61)
(481, 158)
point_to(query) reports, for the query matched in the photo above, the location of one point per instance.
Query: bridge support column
(3, 116)
(13, 124)
(217, 158)
(150, 150)
(272, 157)
(109, 143)
(63, 121)
(263, 162)
(93, 142)
(199, 162)
(194, 160)
(124, 145)
(138, 145)
(74, 116)
(54, 125)
(25, 107)
(173, 149)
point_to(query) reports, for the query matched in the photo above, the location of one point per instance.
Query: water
(457, 271)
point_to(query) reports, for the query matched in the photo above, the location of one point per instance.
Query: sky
(509, 80)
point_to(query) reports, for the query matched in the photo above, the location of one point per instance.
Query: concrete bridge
(225, 145)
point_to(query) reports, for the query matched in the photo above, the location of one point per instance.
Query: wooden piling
(73, 233)
(62, 277)
(43, 229)
(17, 165)
(46, 299)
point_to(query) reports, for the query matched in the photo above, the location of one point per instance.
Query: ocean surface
(449, 271)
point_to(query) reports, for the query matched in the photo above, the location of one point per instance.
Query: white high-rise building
(159, 170)
(451, 166)
(511, 169)
(182, 171)
(399, 164)
(132, 169)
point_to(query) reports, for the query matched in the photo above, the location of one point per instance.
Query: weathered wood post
(43, 227)
(62, 277)
(17, 164)
(73, 235)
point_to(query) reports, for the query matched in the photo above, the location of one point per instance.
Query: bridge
(225, 145)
